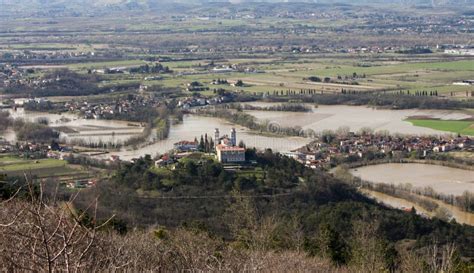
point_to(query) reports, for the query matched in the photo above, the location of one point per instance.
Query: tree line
(377, 99)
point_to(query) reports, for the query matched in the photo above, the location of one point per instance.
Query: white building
(230, 154)
(227, 150)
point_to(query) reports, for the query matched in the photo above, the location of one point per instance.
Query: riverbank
(415, 182)
(460, 216)
(450, 164)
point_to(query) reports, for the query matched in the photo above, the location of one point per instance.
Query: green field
(9, 164)
(455, 126)
(15, 166)
(281, 74)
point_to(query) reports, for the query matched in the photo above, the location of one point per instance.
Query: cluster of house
(111, 109)
(457, 49)
(81, 184)
(235, 68)
(19, 79)
(5, 146)
(35, 150)
(319, 153)
(189, 102)
(48, 55)
(10, 75)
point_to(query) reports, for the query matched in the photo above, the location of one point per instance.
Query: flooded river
(93, 131)
(195, 126)
(322, 118)
(461, 217)
(326, 117)
(442, 179)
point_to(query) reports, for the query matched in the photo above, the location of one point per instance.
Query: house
(186, 146)
(164, 160)
(114, 158)
(310, 156)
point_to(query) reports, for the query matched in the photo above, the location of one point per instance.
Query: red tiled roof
(230, 148)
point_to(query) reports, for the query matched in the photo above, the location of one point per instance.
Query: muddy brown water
(332, 117)
(195, 126)
(445, 180)
(75, 128)
(461, 217)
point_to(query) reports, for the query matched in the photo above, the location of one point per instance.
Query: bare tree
(442, 259)
(46, 236)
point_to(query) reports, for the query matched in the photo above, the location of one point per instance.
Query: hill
(56, 8)
(196, 214)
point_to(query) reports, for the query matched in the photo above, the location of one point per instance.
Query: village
(223, 148)
(122, 108)
(330, 150)
(325, 152)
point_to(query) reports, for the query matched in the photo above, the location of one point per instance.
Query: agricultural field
(359, 73)
(279, 52)
(456, 126)
(41, 168)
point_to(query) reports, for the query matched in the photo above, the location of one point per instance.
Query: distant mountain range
(49, 3)
(56, 7)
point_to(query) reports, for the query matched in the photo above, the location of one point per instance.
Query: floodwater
(322, 118)
(331, 117)
(74, 128)
(195, 126)
(94, 131)
(442, 179)
(461, 217)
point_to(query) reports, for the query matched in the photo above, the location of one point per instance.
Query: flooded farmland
(321, 118)
(442, 179)
(195, 126)
(326, 117)
(74, 129)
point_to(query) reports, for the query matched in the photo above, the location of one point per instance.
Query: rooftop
(222, 147)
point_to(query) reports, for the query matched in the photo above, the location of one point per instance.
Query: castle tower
(216, 137)
(233, 137)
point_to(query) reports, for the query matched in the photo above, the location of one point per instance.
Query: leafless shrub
(46, 235)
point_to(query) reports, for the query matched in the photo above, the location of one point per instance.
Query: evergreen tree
(201, 146)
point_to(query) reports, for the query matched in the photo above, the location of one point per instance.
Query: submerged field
(456, 126)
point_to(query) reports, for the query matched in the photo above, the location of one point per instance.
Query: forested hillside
(204, 216)
(302, 208)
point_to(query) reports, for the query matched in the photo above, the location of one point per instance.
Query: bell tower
(216, 137)
(233, 137)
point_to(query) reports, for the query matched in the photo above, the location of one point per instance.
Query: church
(227, 150)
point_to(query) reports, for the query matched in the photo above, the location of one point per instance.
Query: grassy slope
(455, 126)
(42, 167)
